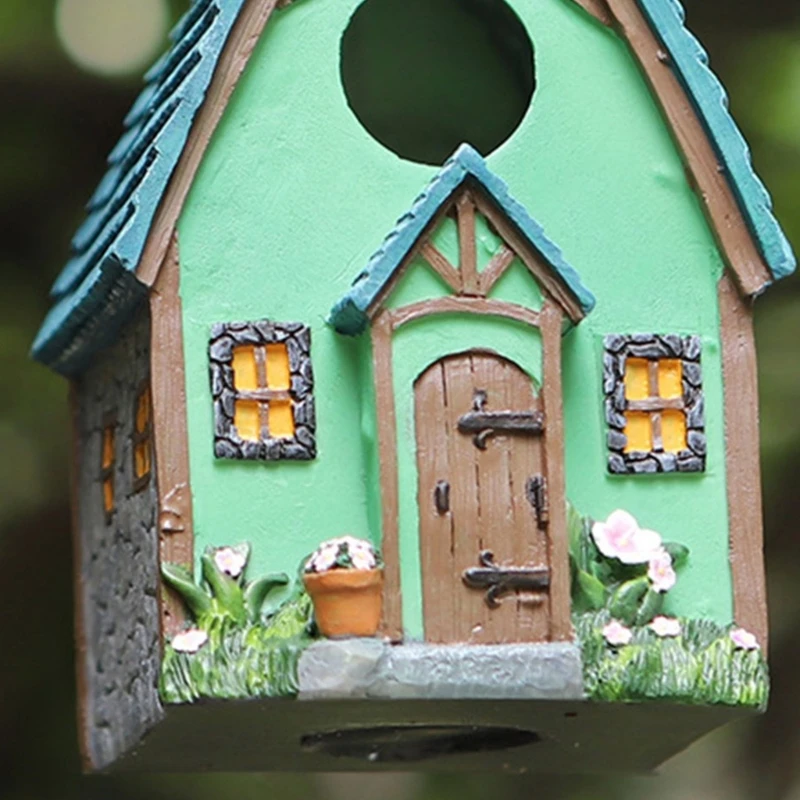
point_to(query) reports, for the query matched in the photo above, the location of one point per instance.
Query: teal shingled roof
(97, 290)
(349, 315)
(691, 64)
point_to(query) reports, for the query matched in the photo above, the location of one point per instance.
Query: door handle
(536, 492)
(441, 497)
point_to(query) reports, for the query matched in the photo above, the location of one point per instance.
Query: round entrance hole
(397, 743)
(424, 76)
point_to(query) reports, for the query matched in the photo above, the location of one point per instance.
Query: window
(262, 384)
(142, 439)
(654, 404)
(108, 459)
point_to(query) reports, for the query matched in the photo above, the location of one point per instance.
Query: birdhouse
(414, 394)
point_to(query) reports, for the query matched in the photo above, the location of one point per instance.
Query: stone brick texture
(118, 570)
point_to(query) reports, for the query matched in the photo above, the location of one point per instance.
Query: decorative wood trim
(545, 277)
(495, 269)
(552, 396)
(237, 51)
(460, 305)
(170, 432)
(742, 460)
(392, 623)
(467, 245)
(81, 647)
(441, 264)
(598, 9)
(717, 197)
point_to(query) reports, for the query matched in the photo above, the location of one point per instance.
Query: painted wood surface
(742, 461)
(488, 508)
(168, 388)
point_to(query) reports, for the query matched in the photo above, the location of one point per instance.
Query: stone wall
(118, 557)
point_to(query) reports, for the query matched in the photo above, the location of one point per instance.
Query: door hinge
(536, 492)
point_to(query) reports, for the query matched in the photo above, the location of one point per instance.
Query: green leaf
(256, 593)
(625, 602)
(227, 592)
(179, 578)
(678, 552)
(650, 608)
(592, 590)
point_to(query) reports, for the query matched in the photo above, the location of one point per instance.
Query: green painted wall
(294, 196)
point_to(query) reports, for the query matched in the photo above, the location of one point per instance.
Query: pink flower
(229, 561)
(621, 537)
(665, 627)
(744, 640)
(189, 641)
(660, 572)
(616, 634)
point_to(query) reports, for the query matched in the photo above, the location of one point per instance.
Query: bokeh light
(112, 37)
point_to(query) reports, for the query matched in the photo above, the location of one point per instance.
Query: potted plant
(344, 578)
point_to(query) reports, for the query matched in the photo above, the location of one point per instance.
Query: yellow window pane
(670, 378)
(637, 379)
(108, 495)
(639, 432)
(108, 447)
(247, 419)
(141, 459)
(143, 411)
(281, 419)
(278, 373)
(245, 371)
(673, 431)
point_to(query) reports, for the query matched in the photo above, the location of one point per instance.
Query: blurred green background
(69, 70)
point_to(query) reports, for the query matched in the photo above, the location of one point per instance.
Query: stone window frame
(653, 347)
(227, 336)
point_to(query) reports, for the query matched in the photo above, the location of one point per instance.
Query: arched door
(483, 502)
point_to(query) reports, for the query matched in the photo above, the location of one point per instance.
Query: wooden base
(279, 735)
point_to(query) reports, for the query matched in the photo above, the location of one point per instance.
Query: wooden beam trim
(532, 260)
(717, 197)
(441, 265)
(651, 404)
(170, 431)
(745, 521)
(467, 245)
(235, 56)
(392, 622)
(560, 595)
(461, 305)
(495, 269)
(598, 9)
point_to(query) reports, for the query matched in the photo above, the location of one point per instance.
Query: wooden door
(478, 494)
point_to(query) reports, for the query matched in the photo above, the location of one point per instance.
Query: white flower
(661, 573)
(362, 560)
(229, 561)
(665, 627)
(621, 537)
(189, 641)
(744, 640)
(616, 634)
(323, 559)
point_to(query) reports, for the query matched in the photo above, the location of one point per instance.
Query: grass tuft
(242, 661)
(700, 667)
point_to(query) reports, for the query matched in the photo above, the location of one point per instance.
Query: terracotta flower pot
(347, 602)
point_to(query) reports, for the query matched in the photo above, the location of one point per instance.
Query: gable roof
(98, 289)
(690, 61)
(351, 314)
